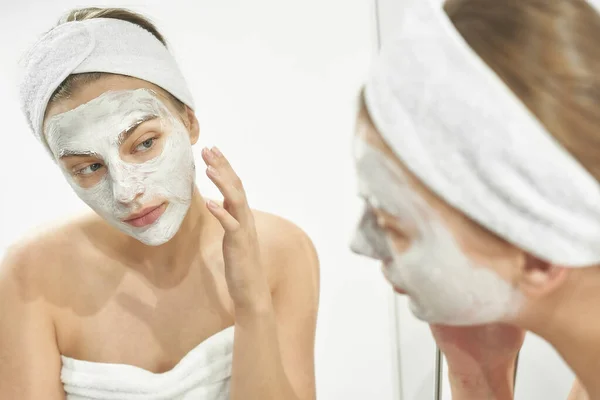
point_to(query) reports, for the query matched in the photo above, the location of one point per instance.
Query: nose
(126, 194)
(126, 188)
(368, 240)
(126, 197)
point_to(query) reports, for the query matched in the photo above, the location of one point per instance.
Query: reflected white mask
(96, 128)
(444, 285)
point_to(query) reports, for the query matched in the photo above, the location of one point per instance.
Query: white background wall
(275, 84)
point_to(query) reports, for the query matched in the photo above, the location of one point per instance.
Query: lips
(398, 290)
(146, 216)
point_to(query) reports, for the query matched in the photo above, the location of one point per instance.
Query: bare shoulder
(282, 239)
(38, 262)
(29, 282)
(23, 283)
(287, 250)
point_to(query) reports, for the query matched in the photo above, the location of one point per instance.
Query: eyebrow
(76, 153)
(123, 136)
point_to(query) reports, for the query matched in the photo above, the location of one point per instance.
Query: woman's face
(455, 272)
(126, 152)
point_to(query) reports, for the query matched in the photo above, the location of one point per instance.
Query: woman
(159, 294)
(476, 153)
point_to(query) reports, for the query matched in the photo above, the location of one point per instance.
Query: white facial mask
(125, 188)
(444, 285)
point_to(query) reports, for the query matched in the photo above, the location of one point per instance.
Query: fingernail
(212, 171)
(217, 152)
(212, 204)
(208, 153)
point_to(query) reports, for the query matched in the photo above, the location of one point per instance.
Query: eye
(145, 145)
(384, 222)
(390, 224)
(89, 170)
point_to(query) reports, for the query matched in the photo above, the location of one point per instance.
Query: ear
(192, 125)
(540, 278)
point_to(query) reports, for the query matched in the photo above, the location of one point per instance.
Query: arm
(296, 301)
(274, 346)
(29, 358)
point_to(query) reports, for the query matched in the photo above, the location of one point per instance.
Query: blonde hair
(547, 52)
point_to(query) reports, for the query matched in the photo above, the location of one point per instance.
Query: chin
(152, 241)
(456, 318)
(163, 230)
(430, 317)
(150, 237)
(418, 311)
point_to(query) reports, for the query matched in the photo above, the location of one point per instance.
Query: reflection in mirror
(449, 181)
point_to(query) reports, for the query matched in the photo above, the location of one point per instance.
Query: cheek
(99, 197)
(91, 180)
(164, 169)
(505, 267)
(482, 248)
(425, 255)
(172, 172)
(156, 168)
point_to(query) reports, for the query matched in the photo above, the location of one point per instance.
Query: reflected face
(130, 159)
(410, 230)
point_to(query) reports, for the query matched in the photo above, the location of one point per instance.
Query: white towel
(203, 374)
(466, 135)
(95, 45)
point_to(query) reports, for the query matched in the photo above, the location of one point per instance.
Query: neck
(571, 323)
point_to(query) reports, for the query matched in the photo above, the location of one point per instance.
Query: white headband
(96, 45)
(468, 137)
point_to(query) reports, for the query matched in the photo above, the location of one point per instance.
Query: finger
(234, 200)
(213, 157)
(206, 156)
(229, 184)
(227, 221)
(216, 159)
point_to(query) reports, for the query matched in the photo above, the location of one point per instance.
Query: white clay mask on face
(155, 176)
(444, 285)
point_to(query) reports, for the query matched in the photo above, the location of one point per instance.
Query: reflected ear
(192, 125)
(540, 278)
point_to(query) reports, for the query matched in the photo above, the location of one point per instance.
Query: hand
(481, 359)
(246, 281)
